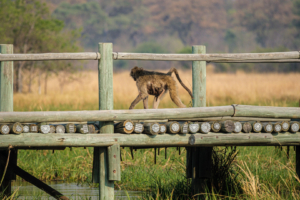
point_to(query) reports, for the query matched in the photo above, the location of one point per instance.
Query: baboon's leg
(138, 99)
(175, 98)
(145, 102)
(156, 100)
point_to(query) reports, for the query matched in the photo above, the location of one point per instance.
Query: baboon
(157, 84)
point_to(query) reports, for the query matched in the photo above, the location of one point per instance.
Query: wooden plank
(284, 57)
(50, 56)
(141, 140)
(209, 119)
(114, 169)
(6, 105)
(115, 115)
(209, 57)
(172, 114)
(266, 111)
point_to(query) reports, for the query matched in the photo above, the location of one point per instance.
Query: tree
(28, 25)
(265, 18)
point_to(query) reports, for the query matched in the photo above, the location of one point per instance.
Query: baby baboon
(157, 84)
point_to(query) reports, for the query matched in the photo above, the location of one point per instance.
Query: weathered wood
(44, 128)
(173, 127)
(247, 127)
(256, 126)
(174, 113)
(4, 129)
(162, 130)
(266, 111)
(151, 128)
(205, 127)
(6, 79)
(294, 126)
(209, 57)
(210, 119)
(237, 127)
(285, 126)
(60, 129)
(138, 128)
(50, 56)
(16, 128)
(91, 128)
(33, 128)
(114, 170)
(82, 128)
(267, 127)
(70, 128)
(114, 115)
(215, 126)
(105, 82)
(227, 126)
(52, 129)
(26, 128)
(126, 127)
(184, 128)
(142, 140)
(277, 127)
(194, 127)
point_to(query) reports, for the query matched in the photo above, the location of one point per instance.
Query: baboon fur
(157, 84)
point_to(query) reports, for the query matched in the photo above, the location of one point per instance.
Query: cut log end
(194, 127)
(267, 127)
(16, 128)
(294, 127)
(162, 129)
(70, 128)
(173, 127)
(237, 127)
(138, 128)
(215, 126)
(26, 128)
(247, 127)
(4, 129)
(60, 129)
(205, 127)
(227, 126)
(184, 128)
(277, 127)
(257, 127)
(285, 126)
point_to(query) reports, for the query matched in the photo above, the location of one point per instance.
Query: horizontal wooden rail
(292, 56)
(26, 140)
(151, 114)
(50, 56)
(210, 57)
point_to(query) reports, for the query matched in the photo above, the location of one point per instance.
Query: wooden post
(201, 156)
(105, 80)
(298, 157)
(6, 105)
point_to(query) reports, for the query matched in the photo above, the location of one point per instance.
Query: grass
(261, 172)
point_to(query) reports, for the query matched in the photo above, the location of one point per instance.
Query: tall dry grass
(222, 89)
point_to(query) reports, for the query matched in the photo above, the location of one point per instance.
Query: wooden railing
(107, 145)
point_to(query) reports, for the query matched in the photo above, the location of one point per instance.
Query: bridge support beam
(199, 159)
(6, 105)
(100, 162)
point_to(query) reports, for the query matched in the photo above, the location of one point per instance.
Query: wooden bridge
(106, 163)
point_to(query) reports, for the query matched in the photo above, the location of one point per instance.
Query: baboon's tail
(180, 81)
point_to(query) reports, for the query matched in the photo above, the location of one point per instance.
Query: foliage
(28, 25)
(150, 47)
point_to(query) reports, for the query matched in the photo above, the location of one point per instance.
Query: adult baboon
(157, 84)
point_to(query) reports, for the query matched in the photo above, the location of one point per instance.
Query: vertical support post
(201, 156)
(6, 105)
(105, 77)
(298, 157)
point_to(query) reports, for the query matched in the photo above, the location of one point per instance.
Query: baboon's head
(135, 72)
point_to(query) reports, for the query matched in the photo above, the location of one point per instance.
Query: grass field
(263, 172)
